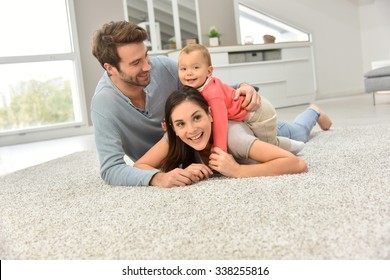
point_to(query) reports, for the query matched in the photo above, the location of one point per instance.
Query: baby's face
(193, 69)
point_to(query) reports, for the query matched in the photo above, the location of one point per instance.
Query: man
(128, 105)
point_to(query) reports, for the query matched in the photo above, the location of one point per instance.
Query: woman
(189, 145)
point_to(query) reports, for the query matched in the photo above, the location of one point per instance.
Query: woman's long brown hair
(179, 153)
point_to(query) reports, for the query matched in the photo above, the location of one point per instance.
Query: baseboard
(34, 136)
(343, 93)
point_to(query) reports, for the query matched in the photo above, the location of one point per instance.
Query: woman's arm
(274, 161)
(154, 157)
(177, 177)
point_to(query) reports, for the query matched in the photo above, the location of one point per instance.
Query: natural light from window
(34, 27)
(38, 85)
(255, 25)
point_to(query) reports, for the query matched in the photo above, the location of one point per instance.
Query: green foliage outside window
(36, 103)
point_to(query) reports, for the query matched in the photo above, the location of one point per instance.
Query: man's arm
(113, 168)
(252, 100)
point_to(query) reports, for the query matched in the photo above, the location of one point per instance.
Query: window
(175, 21)
(254, 25)
(40, 73)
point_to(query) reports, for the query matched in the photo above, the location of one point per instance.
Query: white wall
(90, 16)
(219, 13)
(375, 31)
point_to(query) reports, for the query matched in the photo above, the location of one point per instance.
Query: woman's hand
(252, 100)
(224, 163)
(201, 171)
(177, 177)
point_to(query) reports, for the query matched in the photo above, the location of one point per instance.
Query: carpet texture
(340, 209)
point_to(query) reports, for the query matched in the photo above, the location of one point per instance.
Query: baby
(195, 70)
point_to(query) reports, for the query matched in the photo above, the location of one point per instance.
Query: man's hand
(175, 178)
(252, 100)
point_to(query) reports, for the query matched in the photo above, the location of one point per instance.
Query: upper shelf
(241, 48)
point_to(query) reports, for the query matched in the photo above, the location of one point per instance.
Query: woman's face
(192, 124)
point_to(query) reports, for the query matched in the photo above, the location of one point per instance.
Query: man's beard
(133, 80)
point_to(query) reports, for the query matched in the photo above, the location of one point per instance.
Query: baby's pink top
(220, 98)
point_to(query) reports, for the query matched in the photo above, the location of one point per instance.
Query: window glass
(188, 23)
(137, 11)
(40, 73)
(34, 27)
(165, 33)
(37, 94)
(254, 25)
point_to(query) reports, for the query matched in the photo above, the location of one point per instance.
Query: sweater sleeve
(113, 168)
(220, 123)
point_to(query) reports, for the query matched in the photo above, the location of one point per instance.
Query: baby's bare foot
(323, 121)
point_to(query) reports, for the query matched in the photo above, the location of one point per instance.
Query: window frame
(54, 130)
(155, 48)
(241, 40)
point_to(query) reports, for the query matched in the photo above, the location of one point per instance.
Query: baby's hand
(224, 163)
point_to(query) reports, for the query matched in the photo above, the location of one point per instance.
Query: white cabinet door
(300, 78)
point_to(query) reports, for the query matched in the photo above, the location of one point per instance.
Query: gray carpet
(340, 209)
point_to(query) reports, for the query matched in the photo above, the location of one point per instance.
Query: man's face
(134, 66)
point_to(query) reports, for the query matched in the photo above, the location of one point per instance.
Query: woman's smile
(197, 137)
(192, 124)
